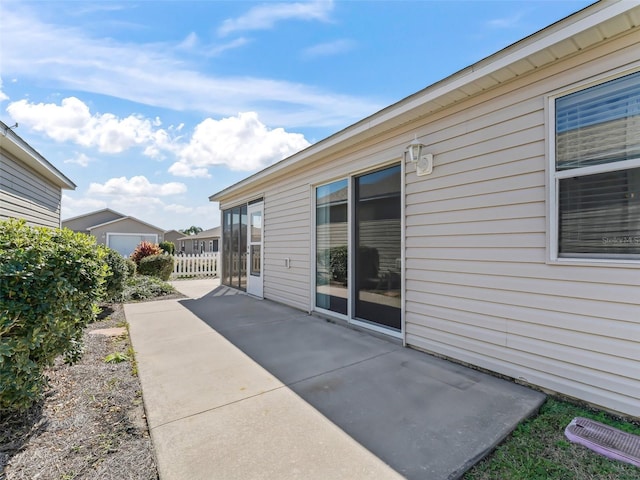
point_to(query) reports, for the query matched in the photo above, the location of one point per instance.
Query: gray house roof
(99, 218)
(127, 217)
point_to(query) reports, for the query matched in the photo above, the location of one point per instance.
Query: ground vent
(605, 440)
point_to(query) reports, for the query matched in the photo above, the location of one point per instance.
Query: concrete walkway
(238, 388)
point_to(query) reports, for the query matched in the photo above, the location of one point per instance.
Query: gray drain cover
(605, 440)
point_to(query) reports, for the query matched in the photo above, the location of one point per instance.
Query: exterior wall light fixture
(414, 153)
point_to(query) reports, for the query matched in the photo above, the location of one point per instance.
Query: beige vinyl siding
(26, 194)
(287, 235)
(478, 285)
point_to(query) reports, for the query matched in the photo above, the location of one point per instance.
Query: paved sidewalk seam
(326, 372)
(212, 409)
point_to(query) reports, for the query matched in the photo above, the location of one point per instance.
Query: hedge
(160, 266)
(51, 282)
(119, 271)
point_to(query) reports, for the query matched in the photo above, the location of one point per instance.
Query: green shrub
(168, 247)
(142, 287)
(160, 266)
(118, 273)
(145, 249)
(132, 268)
(51, 281)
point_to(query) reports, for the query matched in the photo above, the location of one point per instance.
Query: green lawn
(538, 450)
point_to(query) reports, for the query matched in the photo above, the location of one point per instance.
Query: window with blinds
(597, 170)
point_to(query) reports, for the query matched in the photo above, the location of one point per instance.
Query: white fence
(201, 265)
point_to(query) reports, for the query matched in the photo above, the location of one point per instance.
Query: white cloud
(137, 186)
(72, 121)
(264, 17)
(72, 206)
(157, 74)
(215, 50)
(175, 208)
(329, 48)
(507, 22)
(239, 143)
(80, 159)
(3, 96)
(191, 41)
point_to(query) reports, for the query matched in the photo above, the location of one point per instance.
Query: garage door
(126, 243)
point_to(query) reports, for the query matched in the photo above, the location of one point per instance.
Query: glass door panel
(234, 247)
(332, 234)
(254, 281)
(378, 207)
(243, 248)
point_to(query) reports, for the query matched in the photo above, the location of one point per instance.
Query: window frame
(554, 176)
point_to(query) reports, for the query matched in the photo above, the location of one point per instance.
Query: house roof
(118, 220)
(95, 212)
(11, 142)
(587, 27)
(212, 232)
(120, 217)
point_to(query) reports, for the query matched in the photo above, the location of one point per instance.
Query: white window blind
(599, 210)
(599, 125)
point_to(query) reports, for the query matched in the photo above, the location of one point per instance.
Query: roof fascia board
(578, 22)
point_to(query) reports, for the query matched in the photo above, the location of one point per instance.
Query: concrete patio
(236, 387)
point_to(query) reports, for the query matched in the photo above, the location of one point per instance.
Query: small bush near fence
(51, 282)
(132, 268)
(119, 271)
(160, 266)
(167, 247)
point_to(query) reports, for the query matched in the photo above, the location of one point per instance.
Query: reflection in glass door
(377, 251)
(332, 247)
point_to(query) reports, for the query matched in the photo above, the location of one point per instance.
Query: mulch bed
(91, 423)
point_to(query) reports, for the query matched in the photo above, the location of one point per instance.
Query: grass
(538, 450)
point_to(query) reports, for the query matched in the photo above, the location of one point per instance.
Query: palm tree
(192, 230)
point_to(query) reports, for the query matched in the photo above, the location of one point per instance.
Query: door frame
(255, 283)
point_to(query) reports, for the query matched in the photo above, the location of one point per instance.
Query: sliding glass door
(377, 247)
(374, 254)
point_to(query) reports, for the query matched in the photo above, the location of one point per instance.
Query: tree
(192, 230)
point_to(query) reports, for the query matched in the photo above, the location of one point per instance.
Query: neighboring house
(519, 253)
(207, 241)
(173, 236)
(115, 230)
(30, 186)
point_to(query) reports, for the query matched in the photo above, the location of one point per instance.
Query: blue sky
(152, 106)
